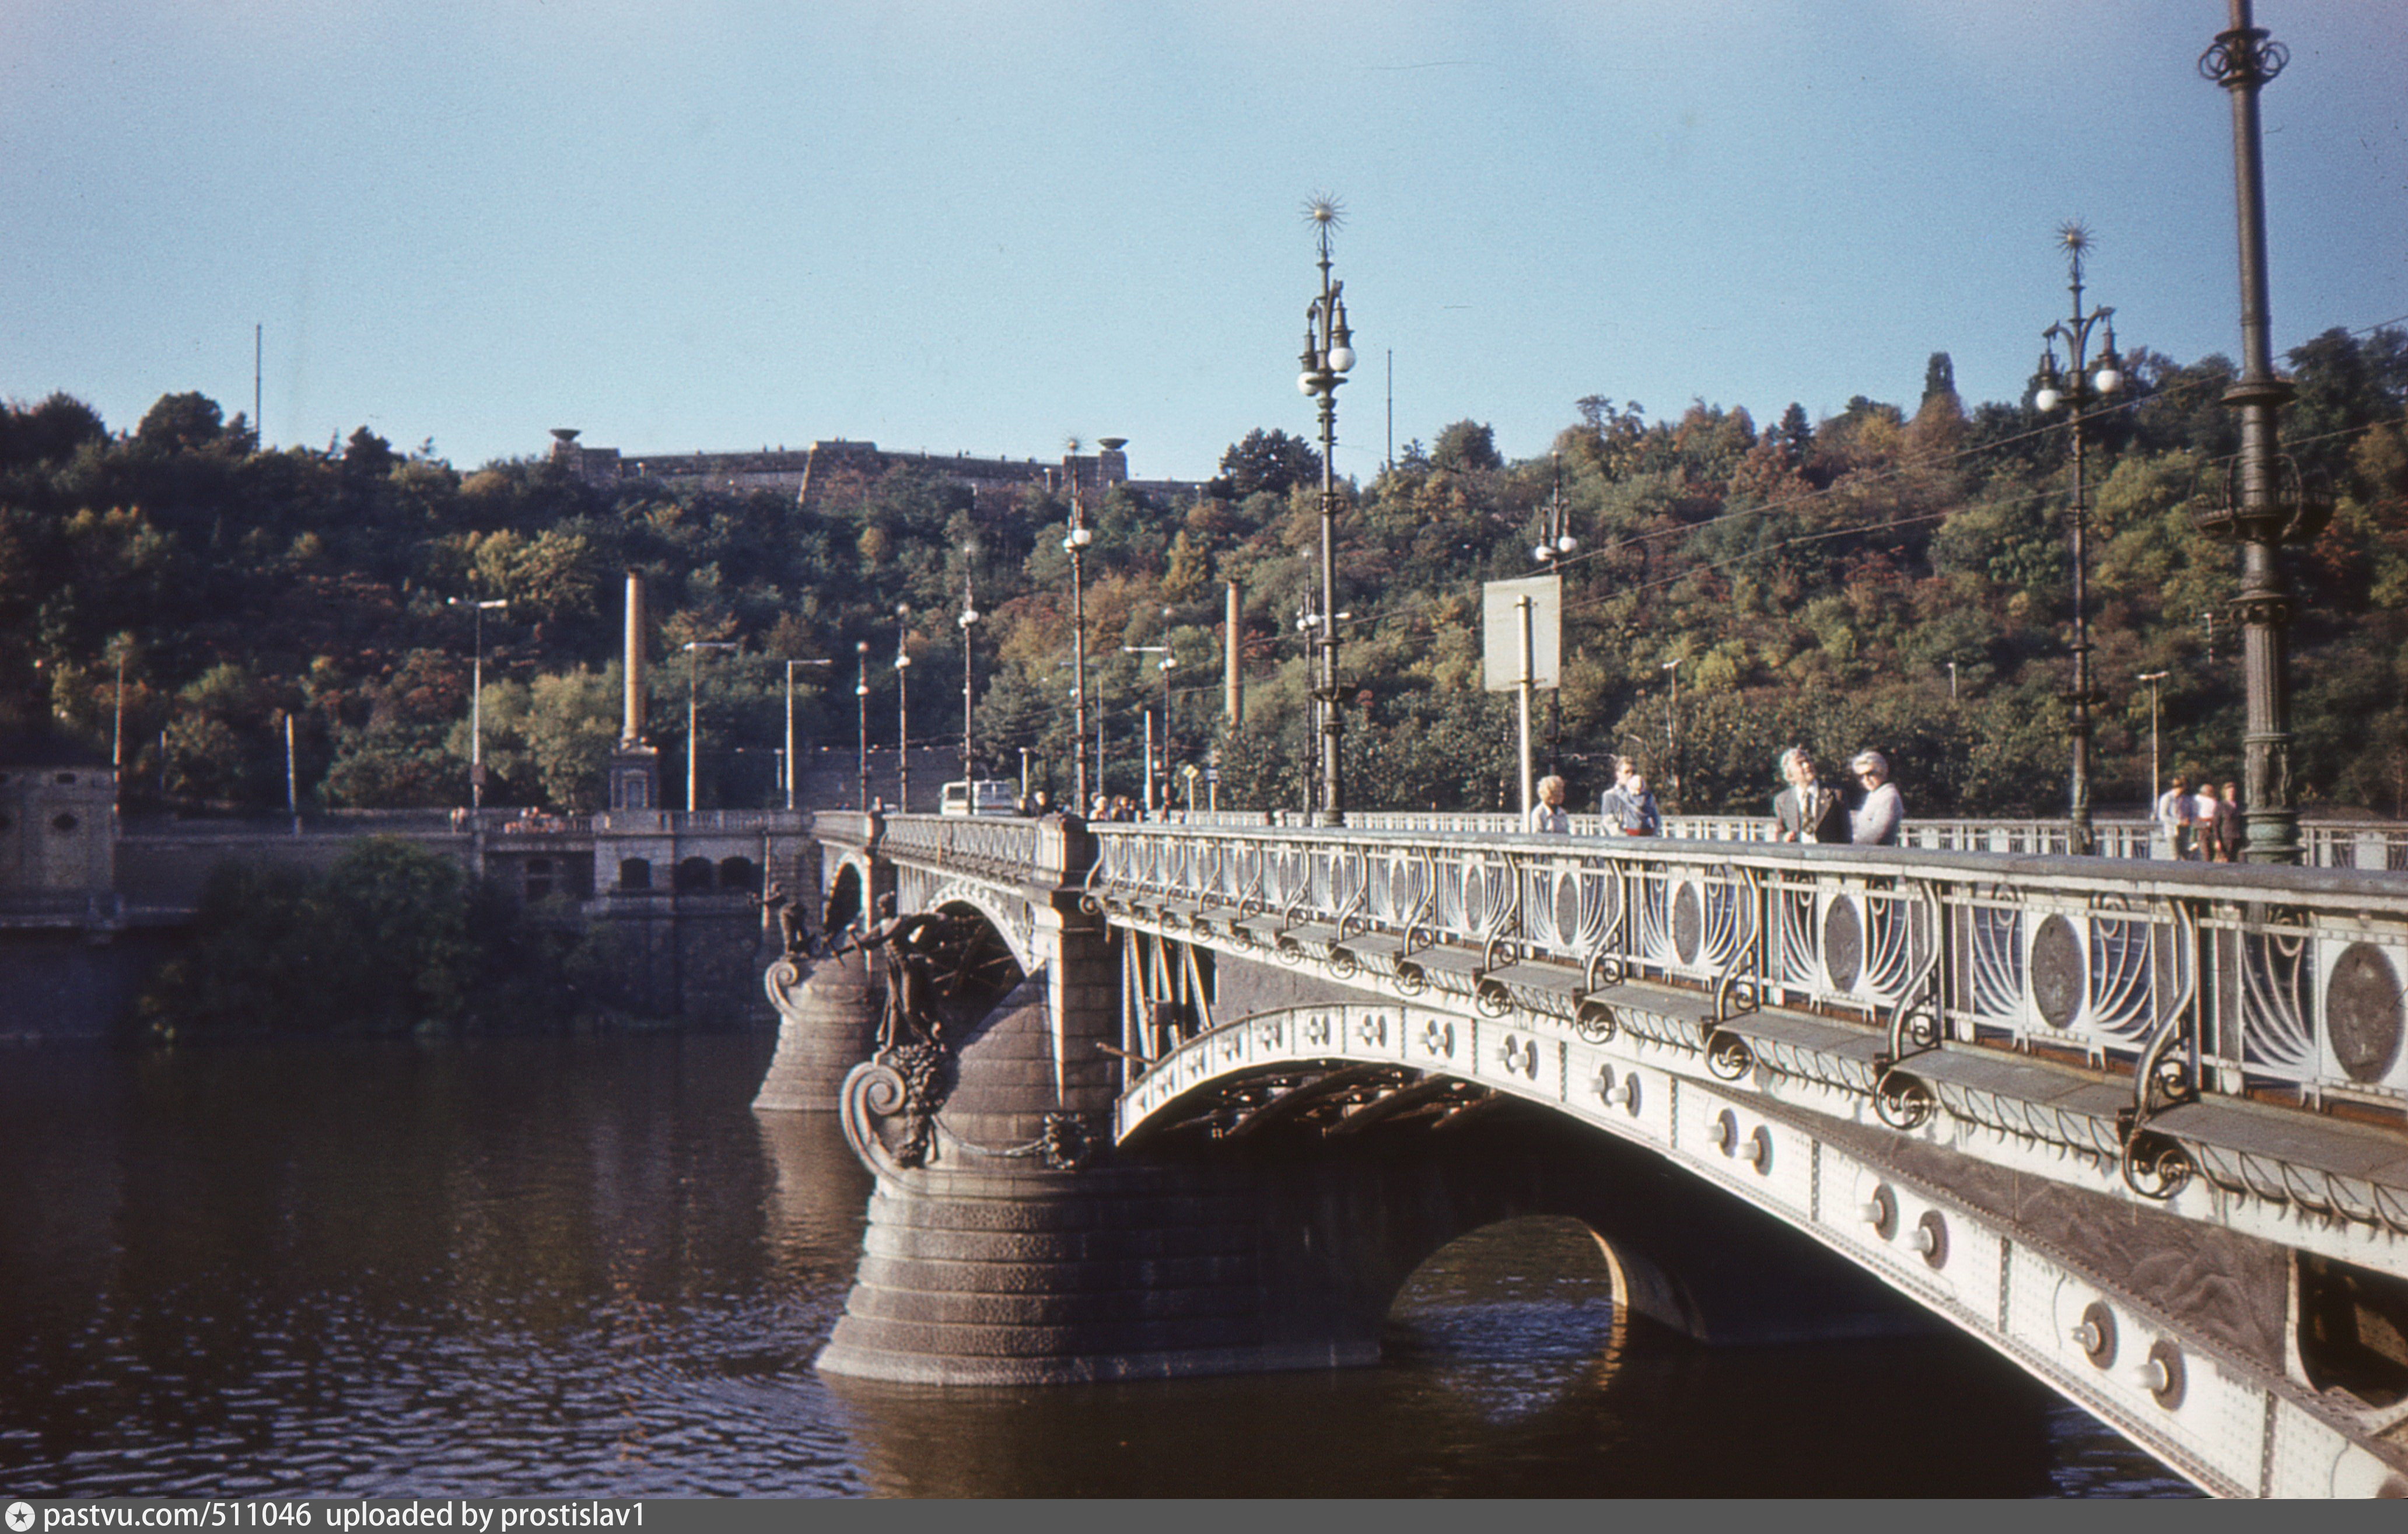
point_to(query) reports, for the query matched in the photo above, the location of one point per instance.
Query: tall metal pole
(2080, 390)
(903, 707)
(1555, 541)
(1076, 542)
(2153, 679)
(477, 699)
(476, 717)
(969, 618)
(790, 722)
(1529, 668)
(1673, 728)
(2262, 514)
(1169, 662)
(861, 698)
(1328, 353)
(693, 650)
(292, 782)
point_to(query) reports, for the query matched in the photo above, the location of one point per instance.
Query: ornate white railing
(2223, 978)
(2373, 845)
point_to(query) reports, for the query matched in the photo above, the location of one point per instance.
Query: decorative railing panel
(2227, 977)
(2371, 845)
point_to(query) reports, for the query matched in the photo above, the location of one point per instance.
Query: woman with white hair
(1875, 819)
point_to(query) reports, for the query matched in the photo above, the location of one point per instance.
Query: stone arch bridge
(1200, 1098)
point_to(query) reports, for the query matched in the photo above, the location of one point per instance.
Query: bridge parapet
(2189, 982)
(2374, 845)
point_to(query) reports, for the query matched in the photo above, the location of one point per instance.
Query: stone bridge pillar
(1008, 1244)
(827, 1016)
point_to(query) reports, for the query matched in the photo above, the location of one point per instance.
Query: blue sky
(991, 227)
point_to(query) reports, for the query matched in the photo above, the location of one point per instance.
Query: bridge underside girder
(1346, 1100)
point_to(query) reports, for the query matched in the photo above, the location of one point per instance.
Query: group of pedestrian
(1628, 807)
(2200, 827)
(1811, 810)
(1807, 809)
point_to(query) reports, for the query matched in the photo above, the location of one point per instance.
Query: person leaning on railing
(1875, 820)
(1549, 815)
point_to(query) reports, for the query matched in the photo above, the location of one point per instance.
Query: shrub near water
(391, 939)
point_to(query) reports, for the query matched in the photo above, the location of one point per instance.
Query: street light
(861, 698)
(2080, 391)
(969, 620)
(1076, 543)
(2267, 506)
(1555, 542)
(1672, 727)
(790, 725)
(1328, 356)
(477, 702)
(1169, 662)
(692, 726)
(1951, 681)
(903, 707)
(2153, 678)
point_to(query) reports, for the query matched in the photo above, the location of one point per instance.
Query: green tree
(1466, 445)
(1269, 461)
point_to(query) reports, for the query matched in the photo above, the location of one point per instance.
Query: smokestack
(1233, 683)
(631, 729)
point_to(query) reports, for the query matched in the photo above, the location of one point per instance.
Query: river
(553, 1267)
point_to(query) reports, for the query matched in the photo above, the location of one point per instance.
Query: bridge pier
(826, 1023)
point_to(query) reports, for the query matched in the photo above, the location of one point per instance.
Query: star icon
(20, 1517)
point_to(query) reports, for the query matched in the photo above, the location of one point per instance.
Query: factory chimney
(636, 766)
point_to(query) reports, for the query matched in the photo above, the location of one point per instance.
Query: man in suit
(1808, 810)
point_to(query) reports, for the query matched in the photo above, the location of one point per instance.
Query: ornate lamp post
(1076, 545)
(903, 707)
(692, 715)
(1555, 542)
(477, 703)
(861, 698)
(2265, 506)
(1328, 356)
(969, 620)
(2080, 391)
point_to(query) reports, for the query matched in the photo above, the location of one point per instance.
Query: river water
(553, 1266)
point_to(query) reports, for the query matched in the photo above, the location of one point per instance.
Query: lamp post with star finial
(1328, 356)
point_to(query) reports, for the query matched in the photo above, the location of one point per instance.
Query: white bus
(986, 797)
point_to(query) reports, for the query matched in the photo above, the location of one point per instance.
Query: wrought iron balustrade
(2218, 977)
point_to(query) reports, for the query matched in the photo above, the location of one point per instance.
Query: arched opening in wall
(635, 873)
(1513, 1315)
(739, 873)
(843, 899)
(971, 966)
(694, 873)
